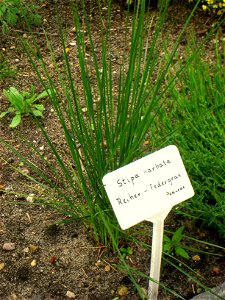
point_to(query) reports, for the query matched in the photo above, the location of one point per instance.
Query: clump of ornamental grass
(104, 120)
(194, 111)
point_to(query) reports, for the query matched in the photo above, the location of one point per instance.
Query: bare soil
(49, 260)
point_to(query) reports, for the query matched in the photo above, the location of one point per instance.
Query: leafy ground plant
(16, 11)
(23, 104)
(174, 244)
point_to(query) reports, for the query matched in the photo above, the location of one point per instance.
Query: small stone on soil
(9, 246)
(70, 295)
(13, 296)
(33, 263)
(107, 268)
(196, 257)
(30, 198)
(122, 290)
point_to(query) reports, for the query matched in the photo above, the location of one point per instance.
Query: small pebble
(70, 295)
(13, 296)
(196, 257)
(98, 263)
(122, 290)
(107, 268)
(30, 198)
(33, 263)
(9, 246)
(26, 250)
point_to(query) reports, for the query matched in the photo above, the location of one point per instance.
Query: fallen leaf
(216, 271)
(33, 248)
(53, 260)
(2, 265)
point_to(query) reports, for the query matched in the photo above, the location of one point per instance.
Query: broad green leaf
(15, 121)
(166, 239)
(43, 95)
(15, 98)
(11, 18)
(178, 235)
(32, 99)
(166, 247)
(3, 114)
(180, 251)
(9, 110)
(26, 94)
(39, 107)
(37, 113)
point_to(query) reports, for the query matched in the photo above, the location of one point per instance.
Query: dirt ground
(56, 262)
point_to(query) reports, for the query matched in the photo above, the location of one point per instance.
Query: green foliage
(23, 104)
(126, 251)
(109, 136)
(212, 6)
(5, 70)
(173, 245)
(16, 11)
(195, 116)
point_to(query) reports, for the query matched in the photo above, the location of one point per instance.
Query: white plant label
(144, 189)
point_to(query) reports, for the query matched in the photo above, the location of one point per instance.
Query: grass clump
(195, 114)
(105, 125)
